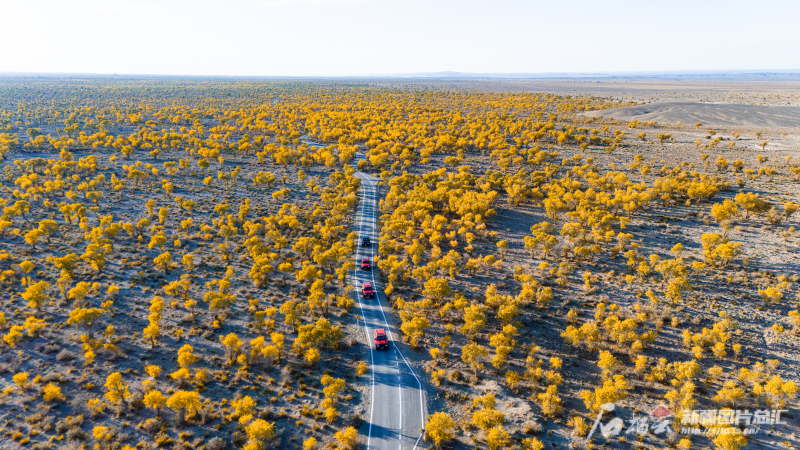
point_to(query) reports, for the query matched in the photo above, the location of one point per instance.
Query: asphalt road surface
(396, 413)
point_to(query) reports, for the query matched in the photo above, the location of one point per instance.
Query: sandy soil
(766, 249)
(750, 89)
(708, 114)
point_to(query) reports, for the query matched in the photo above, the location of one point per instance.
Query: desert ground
(724, 115)
(741, 89)
(178, 259)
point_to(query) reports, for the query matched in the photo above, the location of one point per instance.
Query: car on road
(381, 341)
(365, 264)
(366, 289)
(365, 241)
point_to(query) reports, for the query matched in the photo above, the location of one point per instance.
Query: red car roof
(380, 331)
(367, 284)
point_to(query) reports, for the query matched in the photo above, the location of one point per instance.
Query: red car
(365, 264)
(366, 289)
(381, 341)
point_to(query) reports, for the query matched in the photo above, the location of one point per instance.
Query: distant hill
(452, 75)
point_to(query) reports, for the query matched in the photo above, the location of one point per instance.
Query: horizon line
(439, 74)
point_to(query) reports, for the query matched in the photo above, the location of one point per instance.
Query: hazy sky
(353, 37)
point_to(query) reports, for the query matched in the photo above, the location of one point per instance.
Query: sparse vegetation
(180, 253)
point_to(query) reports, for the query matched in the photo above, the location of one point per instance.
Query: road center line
(366, 328)
(373, 213)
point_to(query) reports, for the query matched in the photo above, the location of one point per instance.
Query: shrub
(52, 393)
(440, 427)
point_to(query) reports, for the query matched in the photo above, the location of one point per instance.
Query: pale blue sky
(358, 37)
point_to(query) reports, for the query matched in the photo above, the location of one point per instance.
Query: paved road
(397, 407)
(397, 411)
